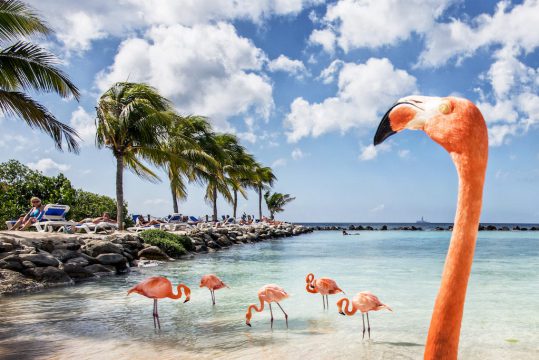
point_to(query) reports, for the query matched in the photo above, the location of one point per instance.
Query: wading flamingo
(458, 126)
(157, 287)
(212, 282)
(268, 293)
(324, 286)
(364, 302)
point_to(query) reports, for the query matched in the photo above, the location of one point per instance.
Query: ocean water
(96, 320)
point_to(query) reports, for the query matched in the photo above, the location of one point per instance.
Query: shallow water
(97, 319)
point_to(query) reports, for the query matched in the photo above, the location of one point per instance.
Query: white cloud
(404, 153)
(373, 23)
(78, 23)
(297, 154)
(205, 80)
(328, 74)
(378, 208)
(84, 124)
(248, 136)
(364, 91)
(278, 163)
(156, 201)
(508, 26)
(370, 152)
(497, 134)
(48, 165)
(283, 63)
(14, 142)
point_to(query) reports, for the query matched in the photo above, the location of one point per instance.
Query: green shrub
(171, 244)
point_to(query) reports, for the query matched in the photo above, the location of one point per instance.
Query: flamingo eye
(445, 107)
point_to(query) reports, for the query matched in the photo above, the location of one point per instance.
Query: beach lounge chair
(174, 223)
(53, 216)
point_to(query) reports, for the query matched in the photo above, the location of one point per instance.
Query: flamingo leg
(285, 314)
(323, 302)
(327, 302)
(212, 292)
(153, 313)
(271, 312)
(369, 325)
(156, 315)
(363, 318)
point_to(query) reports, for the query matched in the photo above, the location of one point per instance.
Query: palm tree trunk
(260, 203)
(214, 203)
(174, 200)
(235, 202)
(120, 190)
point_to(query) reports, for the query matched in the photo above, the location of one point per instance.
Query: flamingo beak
(406, 113)
(186, 300)
(340, 312)
(246, 323)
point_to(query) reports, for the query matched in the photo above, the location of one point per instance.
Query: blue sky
(304, 83)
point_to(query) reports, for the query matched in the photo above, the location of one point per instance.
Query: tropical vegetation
(26, 67)
(276, 202)
(18, 183)
(173, 245)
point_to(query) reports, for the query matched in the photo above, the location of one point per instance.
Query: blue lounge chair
(53, 216)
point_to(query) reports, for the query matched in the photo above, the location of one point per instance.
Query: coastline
(32, 261)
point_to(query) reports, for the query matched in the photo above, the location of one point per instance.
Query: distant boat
(422, 221)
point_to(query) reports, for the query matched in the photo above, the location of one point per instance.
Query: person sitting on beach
(142, 222)
(104, 218)
(34, 215)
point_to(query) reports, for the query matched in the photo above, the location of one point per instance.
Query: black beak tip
(340, 312)
(248, 324)
(186, 301)
(384, 131)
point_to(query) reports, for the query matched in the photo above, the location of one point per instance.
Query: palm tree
(132, 121)
(241, 174)
(263, 179)
(276, 202)
(27, 67)
(185, 153)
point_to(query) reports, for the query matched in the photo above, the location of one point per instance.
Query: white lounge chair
(54, 215)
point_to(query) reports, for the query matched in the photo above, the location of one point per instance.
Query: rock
(491, 228)
(98, 269)
(152, 253)
(223, 240)
(201, 248)
(41, 259)
(97, 247)
(213, 245)
(384, 227)
(28, 264)
(76, 271)
(49, 275)
(90, 259)
(5, 247)
(63, 254)
(11, 265)
(12, 282)
(111, 259)
(81, 261)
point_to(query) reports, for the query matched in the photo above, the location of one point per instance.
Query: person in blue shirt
(35, 214)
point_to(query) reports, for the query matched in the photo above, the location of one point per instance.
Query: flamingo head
(248, 316)
(454, 123)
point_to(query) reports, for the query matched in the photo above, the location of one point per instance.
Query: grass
(173, 245)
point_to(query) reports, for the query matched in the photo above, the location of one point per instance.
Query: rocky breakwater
(213, 239)
(33, 261)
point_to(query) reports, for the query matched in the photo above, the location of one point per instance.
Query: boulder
(491, 228)
(223, 240)
(97, 247)
(5, 247)
(111, 259)
(76, 271)
(98, 269)
(81, 261)
(41, 259)
(28, 264)
(213, 245)
(63, 254)
(12, 265)
(152, 253)
(90, 259)
(201, 248)
(384, 227)
(12, 282)
(50, 275)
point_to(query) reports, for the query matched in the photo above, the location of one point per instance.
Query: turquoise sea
(96, 320)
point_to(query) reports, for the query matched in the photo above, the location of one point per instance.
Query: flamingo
(364, 301)
(212, 282)
(268, 293)
(157, 287)
(458, 126)
(325, 286)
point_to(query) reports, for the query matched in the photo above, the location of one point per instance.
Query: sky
(304, 84)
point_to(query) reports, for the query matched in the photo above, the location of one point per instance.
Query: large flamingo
(324, 286)
(458, 126)
(157, 287)
(212, 282)
(364, 302)
(268, 293)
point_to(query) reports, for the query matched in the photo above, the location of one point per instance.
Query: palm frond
(37, 116)
(18, 20)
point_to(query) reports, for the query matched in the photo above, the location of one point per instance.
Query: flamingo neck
(444, 331)
(346, 307)
(187, 291)
(257, 309)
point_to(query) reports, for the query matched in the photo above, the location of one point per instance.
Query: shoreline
(418, 227)
(33, 261)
